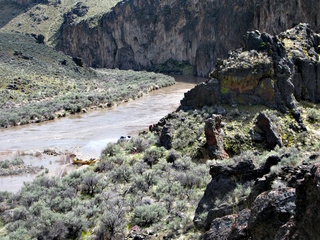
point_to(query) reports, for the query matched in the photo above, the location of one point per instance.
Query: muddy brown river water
(85, 135)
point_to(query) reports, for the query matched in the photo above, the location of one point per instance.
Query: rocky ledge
(276, 71)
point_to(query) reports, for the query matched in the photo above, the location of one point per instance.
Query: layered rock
(273, 71)
(138, 34)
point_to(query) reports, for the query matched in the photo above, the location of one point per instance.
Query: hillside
(39, 83)
(184, 37)
(46, 17)
(263, 164)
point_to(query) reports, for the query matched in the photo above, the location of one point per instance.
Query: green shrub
(5, 164)
(121, 174)
(153, 154)
(111, 150)
(17, 161)
(147, 215)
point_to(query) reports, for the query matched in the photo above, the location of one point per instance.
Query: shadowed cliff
(139, 34)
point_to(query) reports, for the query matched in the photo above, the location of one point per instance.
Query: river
(85, 135)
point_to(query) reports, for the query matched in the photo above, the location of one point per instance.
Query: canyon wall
(137, 34)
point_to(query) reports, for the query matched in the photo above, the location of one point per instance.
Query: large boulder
(272, 137)
(270, 211)
(220, 199)
(229, 227)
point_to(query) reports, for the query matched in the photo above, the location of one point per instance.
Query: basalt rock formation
(272, 137)
(214, 137)
(273, 71)
(290, 211)
(218, 200)
(304, 224)
(139, 34)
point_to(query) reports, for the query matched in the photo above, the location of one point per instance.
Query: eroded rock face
(136, 33)
(273, 71)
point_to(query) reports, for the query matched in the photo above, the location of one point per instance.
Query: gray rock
(271, 135)
(229, 227)
(193, 31)
(270, 211)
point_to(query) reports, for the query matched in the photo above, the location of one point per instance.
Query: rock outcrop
(273, 71)
(233, 226)
(220, 198)
(272, 137)
(270, 211)
(289, 211)
(305, 224)
(214, 136)
(138, 34)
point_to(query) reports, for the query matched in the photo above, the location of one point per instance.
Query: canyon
(138, 34)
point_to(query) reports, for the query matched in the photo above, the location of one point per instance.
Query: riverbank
(85, 135)
(40, 84)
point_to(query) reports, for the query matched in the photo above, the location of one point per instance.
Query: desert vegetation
(132, 185)
(46, 17)
(38, 83)
(16, 166)
(140, 188)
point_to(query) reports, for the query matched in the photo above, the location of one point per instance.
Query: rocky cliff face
(138, 34)
(273, 71)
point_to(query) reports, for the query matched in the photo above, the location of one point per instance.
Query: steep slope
(46, 16)
(138, 34)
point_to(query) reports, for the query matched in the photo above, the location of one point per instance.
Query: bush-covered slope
(46, 17)
(39, 83)
(141, 189)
